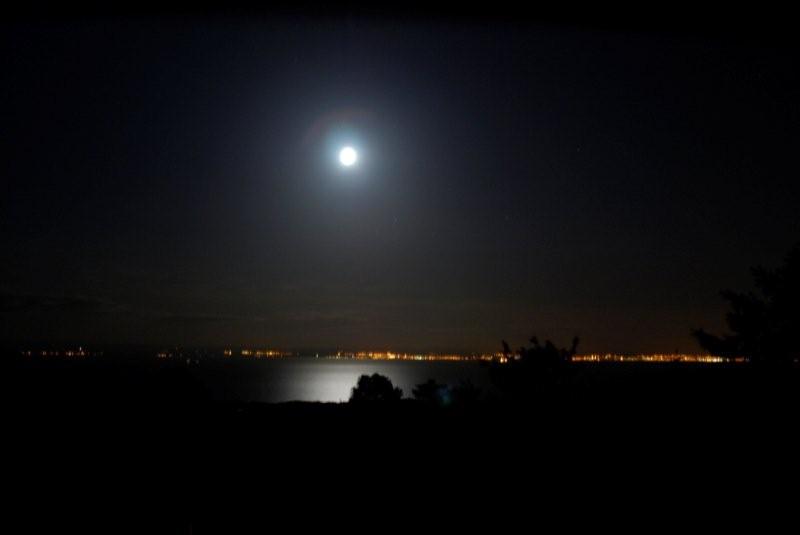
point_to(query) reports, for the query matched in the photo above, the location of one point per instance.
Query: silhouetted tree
(533, 369)
(547, 356)
(432, 393)
(506, 349)
(375, 387)
(765, 325)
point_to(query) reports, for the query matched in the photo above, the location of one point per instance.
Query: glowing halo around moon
(348, 156)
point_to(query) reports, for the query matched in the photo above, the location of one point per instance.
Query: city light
(688, 358)
(259, 353)
(385, 355)
(80, 352)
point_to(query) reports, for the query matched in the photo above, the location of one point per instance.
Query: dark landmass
(145, 437)
(595, 405)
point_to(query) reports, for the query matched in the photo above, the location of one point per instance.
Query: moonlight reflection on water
(328, 380)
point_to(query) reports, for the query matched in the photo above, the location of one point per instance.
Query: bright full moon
(348, 156)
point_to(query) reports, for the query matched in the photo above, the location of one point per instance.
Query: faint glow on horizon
(348, 156)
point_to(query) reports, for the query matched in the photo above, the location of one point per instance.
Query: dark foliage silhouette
(764, 325)
(432, 393)
(465, 394)
(546, 356)
(533, 369)
(375, 388)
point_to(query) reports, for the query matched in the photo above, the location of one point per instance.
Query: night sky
(175, 181)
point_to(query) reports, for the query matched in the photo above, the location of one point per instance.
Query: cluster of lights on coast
(247, 353)
(703, 359)
(388, 355)
(490, 357)
(258, 353)
(80, 352)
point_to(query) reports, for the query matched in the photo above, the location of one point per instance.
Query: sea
(325, 379)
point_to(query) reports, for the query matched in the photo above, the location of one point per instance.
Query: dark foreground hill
(149, 430)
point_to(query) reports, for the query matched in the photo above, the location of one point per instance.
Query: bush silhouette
(533, 369)
(465, 394)
(764, 326)
(547, 356)
(432, 393)
(375, 388)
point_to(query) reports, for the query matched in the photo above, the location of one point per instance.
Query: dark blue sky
(171, 181)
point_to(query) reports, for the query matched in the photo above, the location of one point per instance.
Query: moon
(348, 156)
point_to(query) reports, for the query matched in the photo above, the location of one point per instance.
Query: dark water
(312, 379)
